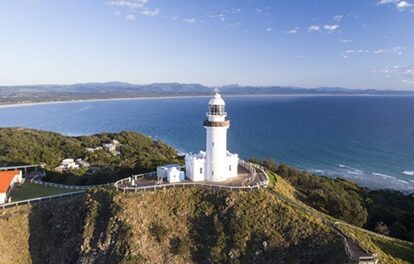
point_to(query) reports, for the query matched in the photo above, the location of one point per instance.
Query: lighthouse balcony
(225, 123)
(216, 114)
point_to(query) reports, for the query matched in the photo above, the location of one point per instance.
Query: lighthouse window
(229, 167)
(212, 144)
(201, 170)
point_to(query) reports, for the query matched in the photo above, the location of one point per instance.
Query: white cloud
(331, 27)
(130, 17)
(386, 2)
(131, 4)
(351, 51)
(409, 71)
(268, 29)
(233, 11)
(258, 10)
(338, 18)
(313, 28)
(399, 4)
(293, 30)
(133, 7)
(403, 73)
(149, 12)
(403, 5)
(393, 50)
(191, 20)
(220, 17)
(346, 41)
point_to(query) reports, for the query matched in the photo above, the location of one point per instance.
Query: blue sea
(369, 139)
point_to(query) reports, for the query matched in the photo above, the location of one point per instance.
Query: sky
(303, 43)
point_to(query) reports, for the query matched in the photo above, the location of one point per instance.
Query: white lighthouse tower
(216, 127)
(216, 164)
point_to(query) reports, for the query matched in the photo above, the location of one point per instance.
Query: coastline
(19, 104)
(357, 174)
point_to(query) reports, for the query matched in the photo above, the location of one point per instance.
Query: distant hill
(83, 91)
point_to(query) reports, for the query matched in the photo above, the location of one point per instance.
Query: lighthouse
(216, 163)
(216, 126)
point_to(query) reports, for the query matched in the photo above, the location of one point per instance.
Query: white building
(8, 179)
(69, 164)
(216, 163)
(171, 173)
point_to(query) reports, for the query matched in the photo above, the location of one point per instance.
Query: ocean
(368, 139)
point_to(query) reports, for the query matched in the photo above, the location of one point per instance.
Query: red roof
(6, 177)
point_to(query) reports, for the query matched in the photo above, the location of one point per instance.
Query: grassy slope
(177, 226)
(173, 226)
(30, 190)
(14, 235)
(389, 250)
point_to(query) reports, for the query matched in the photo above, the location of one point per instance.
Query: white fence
(41, 199)
(69, 187)
(251, 167)
(184, 185)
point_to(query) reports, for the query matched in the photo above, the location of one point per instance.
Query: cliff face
(174, 226)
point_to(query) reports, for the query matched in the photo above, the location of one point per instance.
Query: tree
(382, 228)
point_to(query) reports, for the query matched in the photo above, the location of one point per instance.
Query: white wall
(216, 149)
(3, 198)
(193, 164)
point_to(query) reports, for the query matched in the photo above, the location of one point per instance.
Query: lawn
(30, 190)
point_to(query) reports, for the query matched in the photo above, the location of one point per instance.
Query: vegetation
(383, 211)
(30, 190)
(391, 213)
(138, 153)
(171, 226)
(179, 226)
(392, 251)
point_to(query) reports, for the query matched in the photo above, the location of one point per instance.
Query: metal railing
(249, 166)
(69, 187)
(253, 168)
(41, 199)
(185, 185)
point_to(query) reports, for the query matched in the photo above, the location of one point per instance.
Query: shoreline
(14, 104)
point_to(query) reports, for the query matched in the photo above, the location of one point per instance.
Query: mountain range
(106, 90)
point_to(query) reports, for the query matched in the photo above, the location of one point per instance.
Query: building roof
(6, 177)
(216, 100)
(167, 166)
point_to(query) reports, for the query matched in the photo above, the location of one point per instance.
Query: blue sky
(349, 43)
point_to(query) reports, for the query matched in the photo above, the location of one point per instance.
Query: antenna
(216, 89)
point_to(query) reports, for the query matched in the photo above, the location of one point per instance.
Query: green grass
(272, 178)
(30, 190)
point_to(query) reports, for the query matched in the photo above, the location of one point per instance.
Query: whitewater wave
(383, 175)
(356, 172)
(402, 181)
(410, 173)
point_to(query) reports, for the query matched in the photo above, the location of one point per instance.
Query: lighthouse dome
(216, 100)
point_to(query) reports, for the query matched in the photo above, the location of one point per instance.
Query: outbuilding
(8, 179)
(170, 172)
